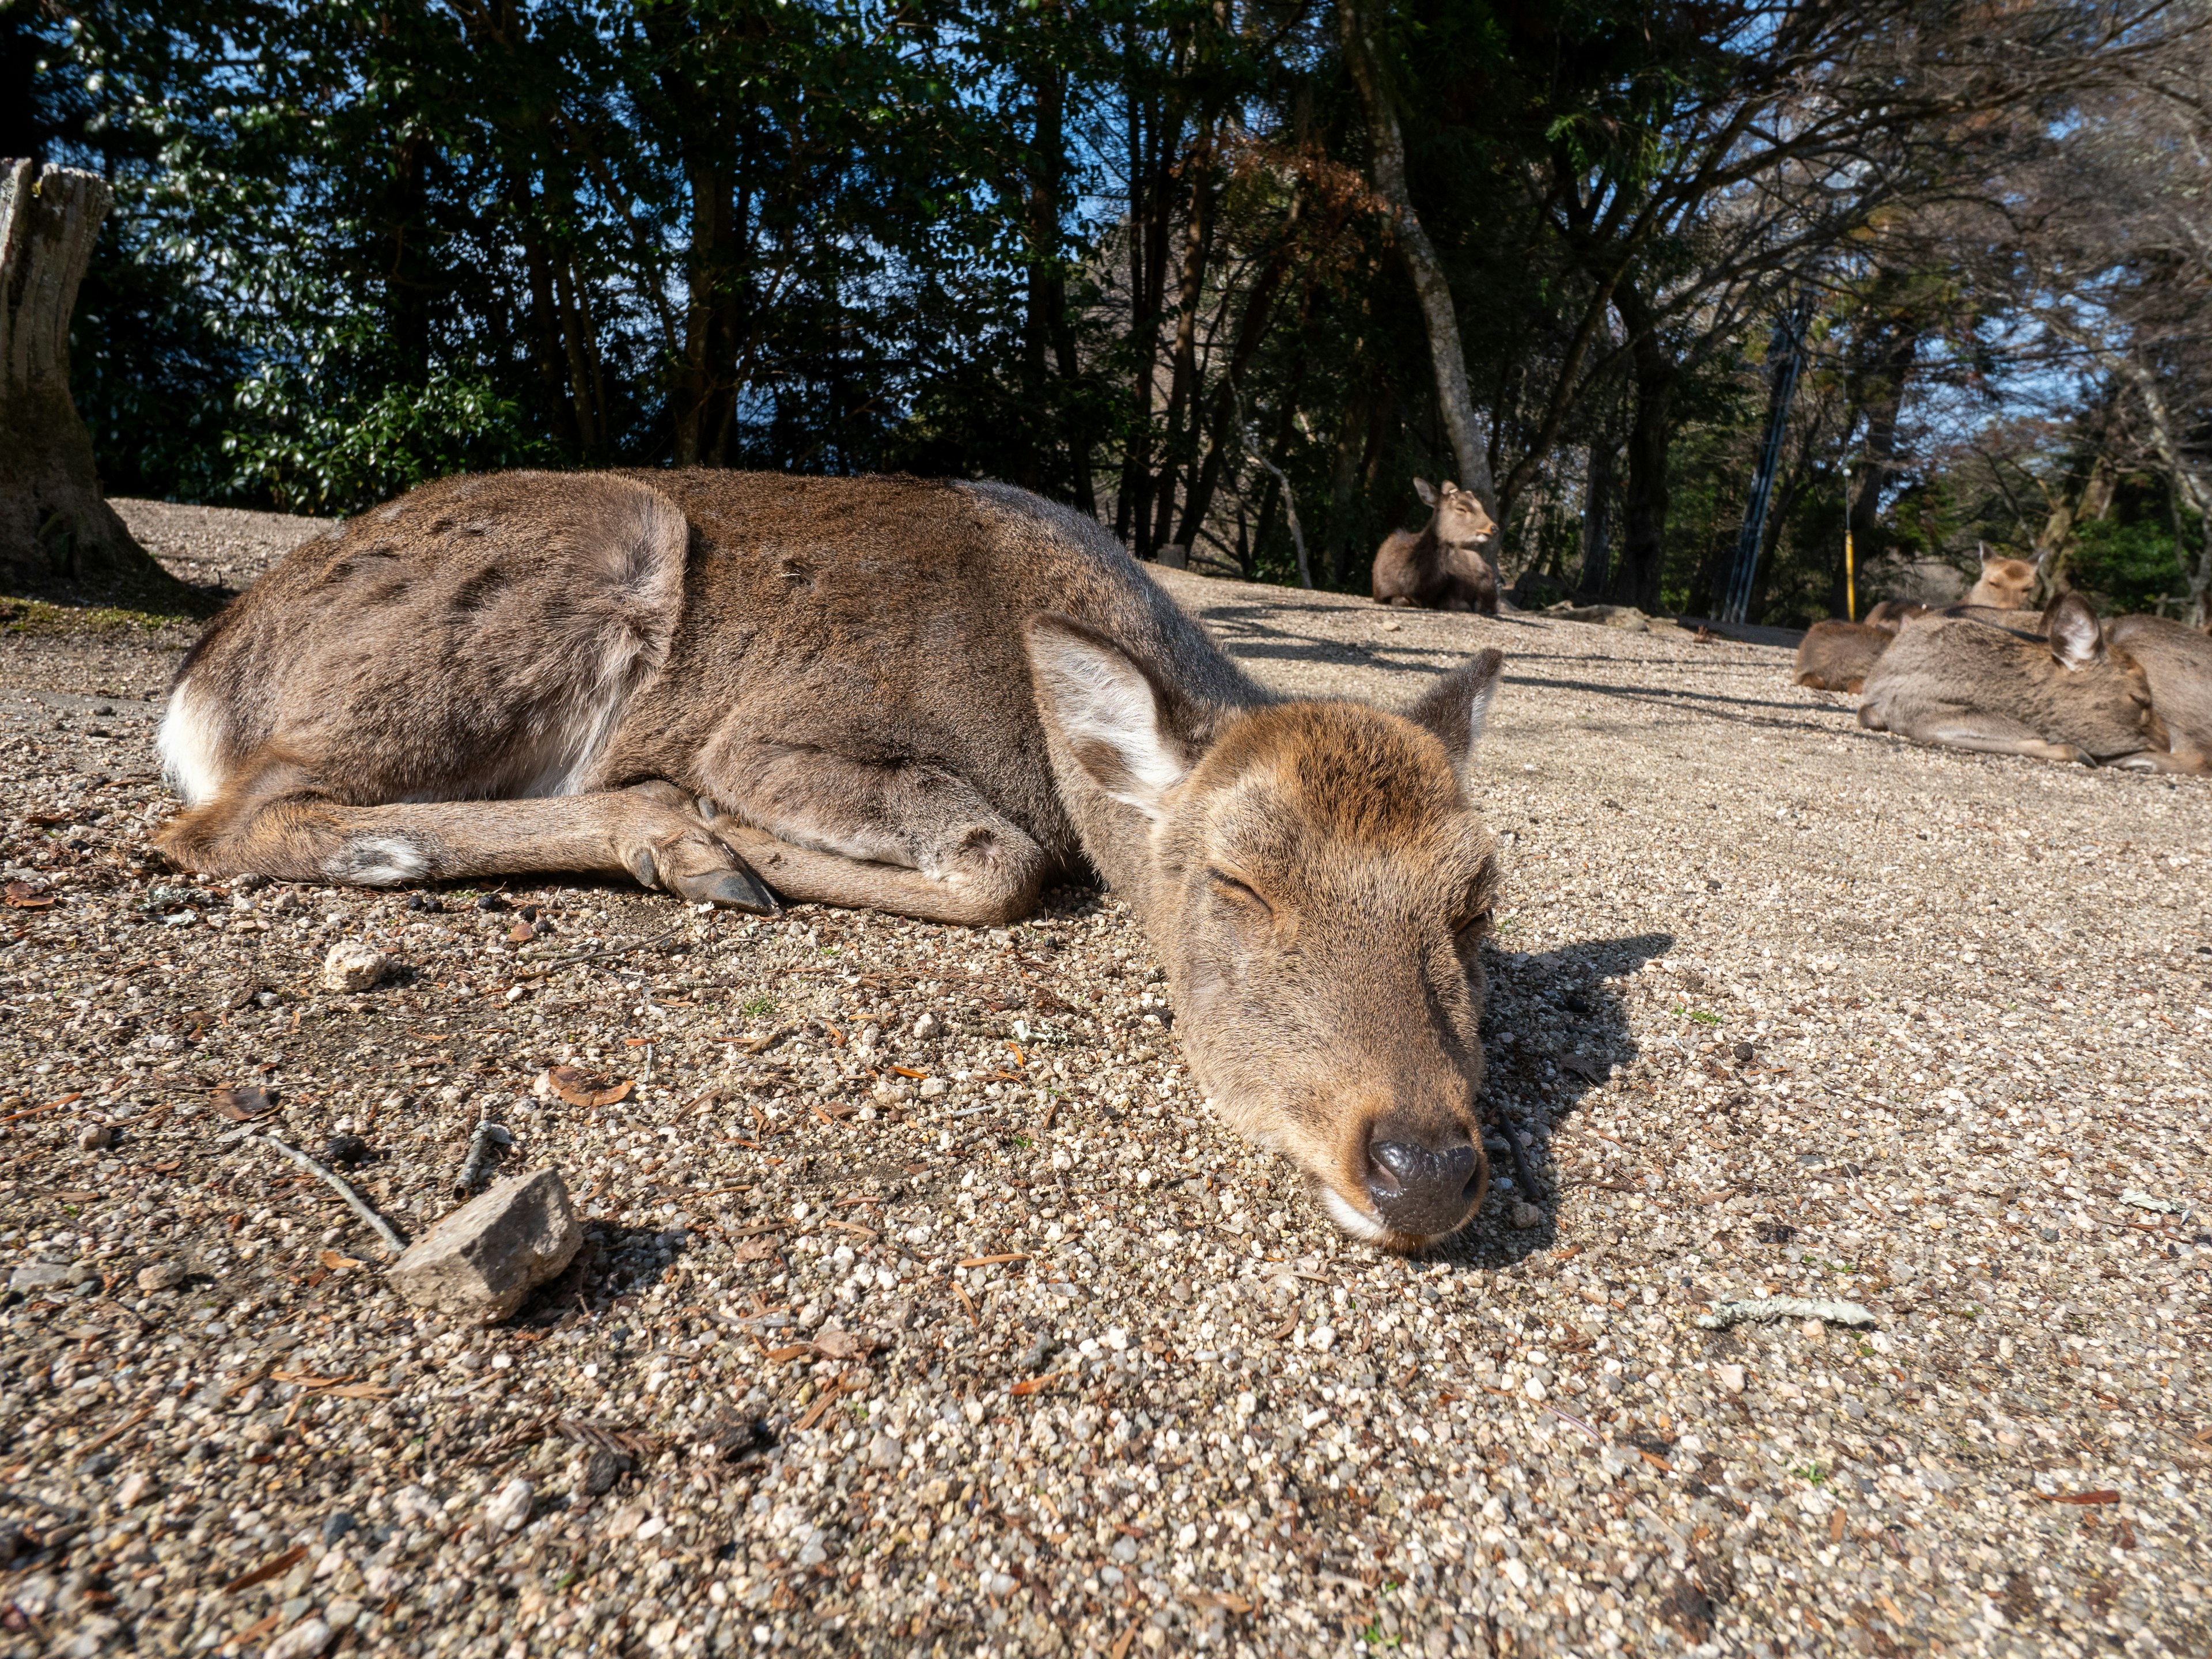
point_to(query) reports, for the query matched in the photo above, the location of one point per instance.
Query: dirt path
(1781, 1007)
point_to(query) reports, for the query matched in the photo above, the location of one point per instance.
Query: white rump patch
(377, 861)
(188, 743)
(1346, 1215)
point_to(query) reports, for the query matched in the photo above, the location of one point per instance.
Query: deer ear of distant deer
(1108, 710)
(1456, 707)
(2076, 640)
(1427, 491)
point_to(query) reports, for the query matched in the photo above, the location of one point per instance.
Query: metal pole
(1851, 570)
(1786, 352)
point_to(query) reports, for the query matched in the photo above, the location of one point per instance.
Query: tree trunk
(54, 523)
(1427, 268)
(1597, 519)
(1644, 542)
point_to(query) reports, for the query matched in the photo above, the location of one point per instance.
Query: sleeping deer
(2004, 584)
(2068, 697)
(924, 698)
(1442, 568)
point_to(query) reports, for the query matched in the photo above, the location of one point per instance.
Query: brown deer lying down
(1962, 684)
(2005, 583)
(1442, 568)
(1835, 656)
(2177, 661)
(917, 697)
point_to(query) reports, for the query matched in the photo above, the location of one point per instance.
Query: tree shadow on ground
(1553, 1031)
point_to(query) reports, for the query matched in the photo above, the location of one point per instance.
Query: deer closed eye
(1474, 926)
(1240, 893)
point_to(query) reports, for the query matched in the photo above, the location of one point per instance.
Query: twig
(1784, 1307)
(539, 969)
(483, 1147)
(1521, 1171)
(393, 1242)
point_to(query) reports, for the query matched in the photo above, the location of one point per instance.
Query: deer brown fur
(1441, 568)
(2177, 659)
(1837, 656)
(916, 698)
(2070, 696)
(2004, 584)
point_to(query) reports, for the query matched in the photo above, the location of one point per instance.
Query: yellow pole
(1851, 579)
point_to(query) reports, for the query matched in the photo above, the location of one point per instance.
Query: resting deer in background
(2067, 697)
(2005, 583)
(915, 697)
(1443, 567)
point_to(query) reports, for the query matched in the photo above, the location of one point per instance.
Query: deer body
(915, 697)
(1964, 685)
(1443, 567)
(2177, 659)
(1837, 656)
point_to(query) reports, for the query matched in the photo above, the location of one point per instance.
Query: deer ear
(2077, 640)
(1456, 707)
(1112, 715)
(1427, 491)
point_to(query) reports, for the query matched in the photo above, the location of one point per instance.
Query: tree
(54, 523)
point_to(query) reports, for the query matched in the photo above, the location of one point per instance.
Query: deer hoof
(733, 890)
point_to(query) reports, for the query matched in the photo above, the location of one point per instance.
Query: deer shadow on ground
(1553, 1031)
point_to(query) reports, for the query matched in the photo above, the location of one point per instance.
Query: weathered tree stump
(55, 527)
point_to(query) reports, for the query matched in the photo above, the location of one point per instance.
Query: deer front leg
(649, 832)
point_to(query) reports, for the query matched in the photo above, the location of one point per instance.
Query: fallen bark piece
(483, 1259)
(1784, 1307)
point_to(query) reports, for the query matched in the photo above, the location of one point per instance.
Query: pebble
(305, 1640)
(40, 1276)
(480, 1262)
(337, 1524)
(351, 966)
(95, 1136)
(509, 1509)
(1526, 1215)
(161, 1276)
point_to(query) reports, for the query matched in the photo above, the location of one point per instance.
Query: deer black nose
(1428, 1190)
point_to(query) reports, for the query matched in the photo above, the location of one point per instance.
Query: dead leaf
(796, 1350)
(362, 1391)
(842, 1345)
(579, 1089)
(73, 1195)
(22, 895)
(520, 933)
(334, 1261)
(2075, 1496)
(1036, 1384)
(756, 1249)
(241, 1102)
(993, 1261)
(909, 1071)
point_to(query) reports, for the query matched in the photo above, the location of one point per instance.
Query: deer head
(1460, 521)
(1318, 882)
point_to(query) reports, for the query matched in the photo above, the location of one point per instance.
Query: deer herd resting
(2060, 686)
(930, 699)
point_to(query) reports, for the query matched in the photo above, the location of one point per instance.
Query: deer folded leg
(1994, 734)
(914, 839)
(649, 833)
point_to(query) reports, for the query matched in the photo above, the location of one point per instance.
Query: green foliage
(307, 450)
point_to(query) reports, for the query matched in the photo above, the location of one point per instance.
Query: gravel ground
(924, 1311)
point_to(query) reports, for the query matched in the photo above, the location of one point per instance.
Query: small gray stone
(337, 1525)
(40, 1276)
(483, 1259)
(161, 1276)
(352, 966)
(95, 1136)
(303, 1641)
(1526, 1215)
(884, 1452)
